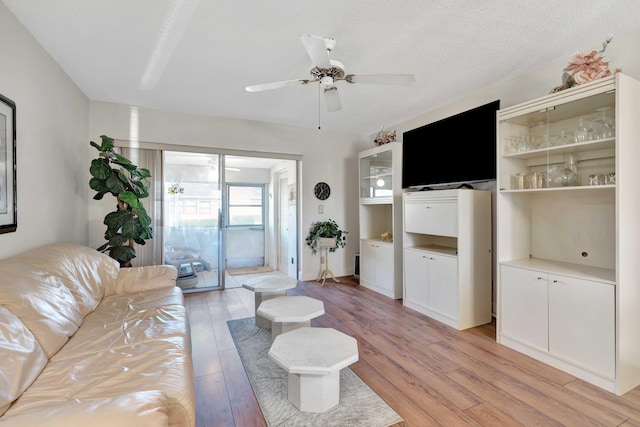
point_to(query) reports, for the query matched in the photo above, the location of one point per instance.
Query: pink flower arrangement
(586, 68)
(384, 137)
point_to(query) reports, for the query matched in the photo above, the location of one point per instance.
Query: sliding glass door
(192, 207)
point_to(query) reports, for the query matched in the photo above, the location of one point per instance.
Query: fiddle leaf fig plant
(328, 229)
(128, 183)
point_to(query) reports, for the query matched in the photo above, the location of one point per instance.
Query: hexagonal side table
(290, 312)
(267, 287)
(313, 358)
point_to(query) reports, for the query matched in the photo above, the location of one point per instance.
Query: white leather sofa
(86, 343)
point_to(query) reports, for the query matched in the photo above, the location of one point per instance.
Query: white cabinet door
(523, 306)
(443, 284)
(384, 267)
(377, 267)
(416, 273)
(581, 322)
(367, 261)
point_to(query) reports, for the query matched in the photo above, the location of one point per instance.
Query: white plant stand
(324, 244)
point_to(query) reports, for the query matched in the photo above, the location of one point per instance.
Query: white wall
(52, 130)
(327, 156)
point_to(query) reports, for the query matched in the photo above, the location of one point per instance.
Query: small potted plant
(326, 234)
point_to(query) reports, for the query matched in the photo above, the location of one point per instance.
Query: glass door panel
(191, 218)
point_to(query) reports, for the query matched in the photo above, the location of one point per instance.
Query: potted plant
(322, 230)
(128, 183)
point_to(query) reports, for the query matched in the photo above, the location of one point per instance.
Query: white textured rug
(359, 405)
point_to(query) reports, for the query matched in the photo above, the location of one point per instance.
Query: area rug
(248, 270)
(359, 405)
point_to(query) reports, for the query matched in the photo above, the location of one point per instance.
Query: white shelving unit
(447, 255)
(568, 233)
(380, 212)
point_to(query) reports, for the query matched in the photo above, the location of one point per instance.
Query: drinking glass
(565, 137)
(591, 132)
(581, 133)
(606, 131)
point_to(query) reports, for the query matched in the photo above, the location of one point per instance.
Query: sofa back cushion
(41, 301)
(83, 270)
(21, 358)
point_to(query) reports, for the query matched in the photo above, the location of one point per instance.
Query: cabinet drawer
(438, 218)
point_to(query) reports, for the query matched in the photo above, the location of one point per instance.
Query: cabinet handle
(539, 278)
(428, 207)
(555, 281)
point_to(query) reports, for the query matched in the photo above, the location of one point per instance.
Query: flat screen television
(460, 149)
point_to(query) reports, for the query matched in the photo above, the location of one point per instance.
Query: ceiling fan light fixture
(326, 83)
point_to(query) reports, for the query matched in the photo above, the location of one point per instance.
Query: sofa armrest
(137, 279)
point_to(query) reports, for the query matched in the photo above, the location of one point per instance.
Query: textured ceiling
(197, 56)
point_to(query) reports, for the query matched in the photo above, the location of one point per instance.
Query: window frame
(229, 205)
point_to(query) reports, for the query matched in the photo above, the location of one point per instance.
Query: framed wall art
(8, 190)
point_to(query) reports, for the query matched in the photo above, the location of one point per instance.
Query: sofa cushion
(83, 270)
(123, 319)
(41, 301)
(139, 279)
(142, 409)
(21, 358)
(158, 364)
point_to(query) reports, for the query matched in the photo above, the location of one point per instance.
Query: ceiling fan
(328, 71)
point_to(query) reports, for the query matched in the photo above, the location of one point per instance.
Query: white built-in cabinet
(381, 261)
(447, 255)
(568, 237)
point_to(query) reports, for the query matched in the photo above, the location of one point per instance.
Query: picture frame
(8, 168)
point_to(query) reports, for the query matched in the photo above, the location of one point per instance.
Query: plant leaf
(130, 198)
(100, 169)
(123, 253)
(115, 185)
(117, 219)
(107, 143)
(98, 184)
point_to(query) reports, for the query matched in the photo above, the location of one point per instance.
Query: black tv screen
(460, 149)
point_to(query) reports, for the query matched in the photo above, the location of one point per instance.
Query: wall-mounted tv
(460, 149)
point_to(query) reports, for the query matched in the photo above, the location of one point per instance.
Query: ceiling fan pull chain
(319, 107)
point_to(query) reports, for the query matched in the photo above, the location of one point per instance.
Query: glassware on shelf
(565, 174)
(517, 181)
(518, 144)
(606, 130)
(591, 132)
(565, 137)
(581, 133)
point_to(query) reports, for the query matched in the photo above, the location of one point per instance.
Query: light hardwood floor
(427, 372)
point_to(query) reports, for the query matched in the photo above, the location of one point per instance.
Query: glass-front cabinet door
(559, 142)
(376, 175)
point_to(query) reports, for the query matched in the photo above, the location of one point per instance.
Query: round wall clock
(322, 190)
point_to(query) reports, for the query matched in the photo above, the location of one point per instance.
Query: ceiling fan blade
(332, 99)
(385, 79)
(275, 85)
(317, 50)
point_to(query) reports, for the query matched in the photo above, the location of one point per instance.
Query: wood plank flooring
(429, 373)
